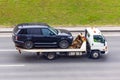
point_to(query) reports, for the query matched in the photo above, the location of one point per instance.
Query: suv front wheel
(64, 44)
(28, 45)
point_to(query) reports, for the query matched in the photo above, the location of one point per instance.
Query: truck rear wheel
(50, 55)
(95, 54)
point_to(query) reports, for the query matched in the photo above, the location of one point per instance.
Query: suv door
(49, 38)
(35, 35)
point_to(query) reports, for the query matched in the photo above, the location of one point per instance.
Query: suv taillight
(16, 37)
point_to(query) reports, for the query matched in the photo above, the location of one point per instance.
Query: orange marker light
(94, 31)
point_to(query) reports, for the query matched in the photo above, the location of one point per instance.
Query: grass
(60, 12)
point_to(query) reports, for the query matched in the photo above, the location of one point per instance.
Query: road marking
(5, 35)
(12, 65)
(7, 50)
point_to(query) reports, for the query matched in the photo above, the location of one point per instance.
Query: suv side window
(46, 32)
(36, 31)
(23, 31)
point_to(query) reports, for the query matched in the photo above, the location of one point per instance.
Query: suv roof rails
(42, 24)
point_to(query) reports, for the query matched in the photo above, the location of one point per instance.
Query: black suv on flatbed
(31, 35)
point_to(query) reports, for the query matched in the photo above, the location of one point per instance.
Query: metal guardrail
(101, 30)
(72, 31)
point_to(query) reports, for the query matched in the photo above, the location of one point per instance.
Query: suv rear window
(23, 31)
(15, 29)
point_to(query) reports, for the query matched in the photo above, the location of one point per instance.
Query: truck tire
(95, 54)
(50, 55)
(64, 44)
(28, 45)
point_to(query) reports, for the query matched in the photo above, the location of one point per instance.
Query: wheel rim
(64, 44)
(95, 55)
(28, 45)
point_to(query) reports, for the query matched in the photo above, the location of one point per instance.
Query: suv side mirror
(51, 34)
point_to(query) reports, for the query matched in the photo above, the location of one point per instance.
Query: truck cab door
(99, 42)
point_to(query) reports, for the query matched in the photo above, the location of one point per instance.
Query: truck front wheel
(95, 54)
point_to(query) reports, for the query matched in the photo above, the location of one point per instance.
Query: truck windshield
(99, 38)
(54, 30)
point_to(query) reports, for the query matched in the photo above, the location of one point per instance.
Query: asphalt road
(28, 66)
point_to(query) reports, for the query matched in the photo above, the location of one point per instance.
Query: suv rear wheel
(64, 44)
(28, 45)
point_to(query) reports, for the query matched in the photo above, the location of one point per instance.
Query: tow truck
(93, 44)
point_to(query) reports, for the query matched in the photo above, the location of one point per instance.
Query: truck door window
(98, 38)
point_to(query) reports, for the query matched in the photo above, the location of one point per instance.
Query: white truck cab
(96, 42)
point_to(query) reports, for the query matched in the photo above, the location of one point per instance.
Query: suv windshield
(99, 38)
(54, 30)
